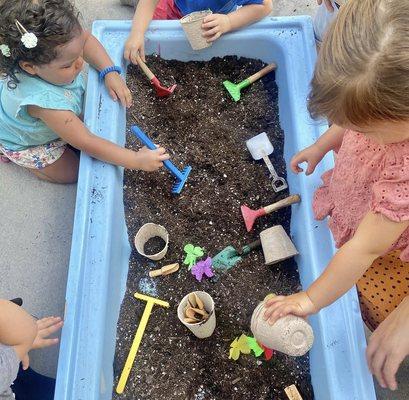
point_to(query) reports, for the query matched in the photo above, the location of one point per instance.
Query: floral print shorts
(37, 157)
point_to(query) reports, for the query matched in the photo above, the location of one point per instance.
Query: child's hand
(312, 155)
(327, 4)
(150, 160)
(215, 25)
(280, 306)
(135, 45)
(46, 327)
(117, 89)
(389, 345)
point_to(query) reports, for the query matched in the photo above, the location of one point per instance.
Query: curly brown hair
(54, 22)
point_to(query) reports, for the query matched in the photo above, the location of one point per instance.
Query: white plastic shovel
(260, 147)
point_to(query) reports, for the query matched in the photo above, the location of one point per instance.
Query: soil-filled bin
(204, 128)
(100, 247)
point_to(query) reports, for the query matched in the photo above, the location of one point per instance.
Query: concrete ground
(36, 221)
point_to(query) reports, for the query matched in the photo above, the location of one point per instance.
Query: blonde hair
(362, 73)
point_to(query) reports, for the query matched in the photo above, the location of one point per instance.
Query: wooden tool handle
(292, 393)
(145, 69)
(262, 72)
(156, 272)
(295, 198)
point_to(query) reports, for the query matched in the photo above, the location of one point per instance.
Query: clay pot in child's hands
(192, 25)
(290, 335)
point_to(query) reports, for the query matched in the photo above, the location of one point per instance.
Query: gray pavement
(36, 221)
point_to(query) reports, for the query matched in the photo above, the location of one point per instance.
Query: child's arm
(135, 44)
(71, 129)
(374, 236)
(216, 25)
(330, 140)
(96, 56)
(17, 328)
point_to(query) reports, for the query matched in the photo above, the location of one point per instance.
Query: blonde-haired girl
(361, 84)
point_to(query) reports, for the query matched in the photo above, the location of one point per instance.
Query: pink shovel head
(250, 216)
(162, 91)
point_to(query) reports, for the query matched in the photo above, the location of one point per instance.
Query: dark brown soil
(201, 126)
(154, 245)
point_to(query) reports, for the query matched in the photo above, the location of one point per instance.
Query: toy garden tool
(250, 215)
(181, 176)
(150, 302)
(235, 89)
(260, 147)
(161, 91)
(166, 270)
(229, 256)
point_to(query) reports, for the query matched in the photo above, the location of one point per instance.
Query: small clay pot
(192, 25)
(149, 231)
(277, 245)
(202, 329)
(290, 335)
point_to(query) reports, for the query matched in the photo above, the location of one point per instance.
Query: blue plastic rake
(181, 176)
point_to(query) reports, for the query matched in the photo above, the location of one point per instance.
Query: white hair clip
(5, 50)
(29, 39)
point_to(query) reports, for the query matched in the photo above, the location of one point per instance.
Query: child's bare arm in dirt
(96, 56)
(330, 140)
(135, 44)
(374, 236)
(216, 25)
(71, 129)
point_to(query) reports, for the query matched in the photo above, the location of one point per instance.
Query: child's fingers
(160, 150)
(46, 322)
(329, 6)
(295, 161)
(122, 97)
(281, 311)
(271, 309)
(127, 54)
(142, 53)
(377, 366)
(295, 168)
(273, 300)
(128, 97)
(390, 369)
(133, 56)
(215, 37)
(211, 32)
(113, 95)
(311, 167)
(208, 19)
(209, 25)
(164, 157)
(56, 326)
(48, 342)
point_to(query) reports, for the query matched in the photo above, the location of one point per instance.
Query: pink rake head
(250, 216)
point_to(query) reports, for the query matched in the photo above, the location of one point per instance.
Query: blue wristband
(107, 70)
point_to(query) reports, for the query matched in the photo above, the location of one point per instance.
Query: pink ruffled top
(367, 176)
